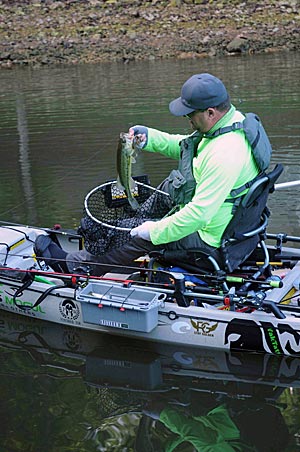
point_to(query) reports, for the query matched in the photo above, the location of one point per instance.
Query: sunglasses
(190, 115)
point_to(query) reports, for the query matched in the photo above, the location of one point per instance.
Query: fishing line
(83, 275)
(168, 273)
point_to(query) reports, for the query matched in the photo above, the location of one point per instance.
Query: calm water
(59, 130)
(59, 127)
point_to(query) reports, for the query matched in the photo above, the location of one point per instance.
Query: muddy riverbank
(46, 32)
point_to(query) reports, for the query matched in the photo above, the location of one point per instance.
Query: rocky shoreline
(47, 32)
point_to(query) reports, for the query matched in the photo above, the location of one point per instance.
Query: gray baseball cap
(199, 92)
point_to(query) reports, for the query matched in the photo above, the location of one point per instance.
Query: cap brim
(177, 108)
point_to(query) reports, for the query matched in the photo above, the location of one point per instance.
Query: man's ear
(211, 112)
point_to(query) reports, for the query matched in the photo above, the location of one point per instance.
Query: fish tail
(133, 203)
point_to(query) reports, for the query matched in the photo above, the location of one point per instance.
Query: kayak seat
(245, 231)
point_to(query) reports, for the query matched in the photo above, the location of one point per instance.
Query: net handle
(118, 228)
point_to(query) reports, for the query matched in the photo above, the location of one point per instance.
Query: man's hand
(142, 231)
(139, 135)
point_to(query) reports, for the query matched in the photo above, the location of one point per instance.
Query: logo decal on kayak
(69, 310)
(203, 327)
(180, 327)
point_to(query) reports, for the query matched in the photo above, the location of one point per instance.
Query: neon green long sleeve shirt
(221, 164)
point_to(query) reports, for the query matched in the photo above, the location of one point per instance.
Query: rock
(239, 44)
(132, 35)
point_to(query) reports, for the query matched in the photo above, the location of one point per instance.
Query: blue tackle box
(113, 305)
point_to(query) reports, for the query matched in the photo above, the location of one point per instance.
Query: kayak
(218, 315)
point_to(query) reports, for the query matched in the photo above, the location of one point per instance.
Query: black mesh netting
(107, 211)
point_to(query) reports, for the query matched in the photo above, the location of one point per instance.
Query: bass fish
(125, 157)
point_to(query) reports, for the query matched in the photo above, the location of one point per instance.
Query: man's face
(203, 121)
(197, 120)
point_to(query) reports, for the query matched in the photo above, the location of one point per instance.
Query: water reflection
(96, 392)
(24, 159)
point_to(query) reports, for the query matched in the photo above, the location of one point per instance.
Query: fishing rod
(282, 185)
(177, 291)
(40, 274)
(56, 229)
(177, 277)
(213, 278)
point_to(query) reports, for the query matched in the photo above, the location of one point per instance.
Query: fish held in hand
(125, 158)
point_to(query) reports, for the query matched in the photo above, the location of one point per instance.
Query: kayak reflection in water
(234, 426)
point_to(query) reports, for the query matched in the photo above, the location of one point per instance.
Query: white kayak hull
(125, 309)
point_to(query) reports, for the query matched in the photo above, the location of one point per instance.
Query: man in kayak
(212, 167)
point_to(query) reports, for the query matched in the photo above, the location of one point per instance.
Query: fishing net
(108, 217)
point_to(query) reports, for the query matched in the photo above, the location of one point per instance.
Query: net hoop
(101, 187)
